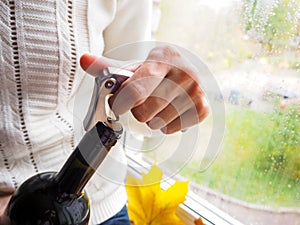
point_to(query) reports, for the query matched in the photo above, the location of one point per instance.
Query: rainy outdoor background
(253, 49)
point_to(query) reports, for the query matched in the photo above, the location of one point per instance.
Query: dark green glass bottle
(58, 198)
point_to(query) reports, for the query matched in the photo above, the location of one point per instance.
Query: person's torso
(40, 46)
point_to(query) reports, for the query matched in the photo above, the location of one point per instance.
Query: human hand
(4, 199)
(164, 91)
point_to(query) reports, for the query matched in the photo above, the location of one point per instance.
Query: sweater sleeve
(132, 23)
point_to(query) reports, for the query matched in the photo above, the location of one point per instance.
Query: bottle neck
(85, 159)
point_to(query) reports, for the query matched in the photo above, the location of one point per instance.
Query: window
(252, 48)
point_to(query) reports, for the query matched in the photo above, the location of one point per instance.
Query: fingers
(139, 87)
(187, 119)
(187, 109)
(175, 104)
(164, 91)
(4, 220)
(92, 64)
(171, 87)
(178, 101)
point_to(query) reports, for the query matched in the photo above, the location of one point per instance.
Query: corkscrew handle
(107, 83)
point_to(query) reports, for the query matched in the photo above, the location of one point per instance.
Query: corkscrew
(106, 84)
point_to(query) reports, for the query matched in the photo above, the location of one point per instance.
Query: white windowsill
(194, 206)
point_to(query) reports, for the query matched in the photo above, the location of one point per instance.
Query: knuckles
(202, 110)
(139, 114)
(163, 52)
(151, 70)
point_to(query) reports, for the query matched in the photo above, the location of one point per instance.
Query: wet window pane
(252, 47)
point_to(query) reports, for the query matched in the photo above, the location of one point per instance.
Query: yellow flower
(148, 204)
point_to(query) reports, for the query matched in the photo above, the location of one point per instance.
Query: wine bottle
(58, 198)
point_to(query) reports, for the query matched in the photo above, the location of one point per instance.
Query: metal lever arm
(106, 84)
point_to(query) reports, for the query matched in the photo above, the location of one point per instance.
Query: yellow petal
(135, 199)
(154, 176)
(174, 195)
(167, 216)
(149, 205)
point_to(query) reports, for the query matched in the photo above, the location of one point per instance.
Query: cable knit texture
(40, 46)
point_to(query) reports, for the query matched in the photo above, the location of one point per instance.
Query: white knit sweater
(40, 46)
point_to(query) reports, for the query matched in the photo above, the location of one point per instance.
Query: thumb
(93, 64)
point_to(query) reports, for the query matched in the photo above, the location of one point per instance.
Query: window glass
(252, 48)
